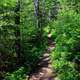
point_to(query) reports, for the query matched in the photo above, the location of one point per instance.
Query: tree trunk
(17, 31)
(38, 18)
(37, 13)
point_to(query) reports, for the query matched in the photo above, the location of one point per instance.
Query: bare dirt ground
(45, 70)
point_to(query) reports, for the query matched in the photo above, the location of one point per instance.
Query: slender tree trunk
(17, 31)
(37, 13)
(38, 18)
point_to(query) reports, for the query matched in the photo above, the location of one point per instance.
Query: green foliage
(64, 27)
(20, 74)
(7, 4)
(33, 45)
(70, 4)
(32, 42)
(7, 37)
(67, 50)
(68, 30)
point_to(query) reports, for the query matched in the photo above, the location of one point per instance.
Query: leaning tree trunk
(17, 31)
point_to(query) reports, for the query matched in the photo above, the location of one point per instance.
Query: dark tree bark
(17, 31)
(37, 13)
(38, 19)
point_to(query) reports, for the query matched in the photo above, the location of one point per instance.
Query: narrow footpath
(45, 70)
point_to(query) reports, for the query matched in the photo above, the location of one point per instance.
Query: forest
(40, 40)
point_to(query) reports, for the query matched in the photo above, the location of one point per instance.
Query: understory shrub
(66, 56)
(19, 74)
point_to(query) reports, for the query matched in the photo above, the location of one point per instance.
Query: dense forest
(24, 29)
